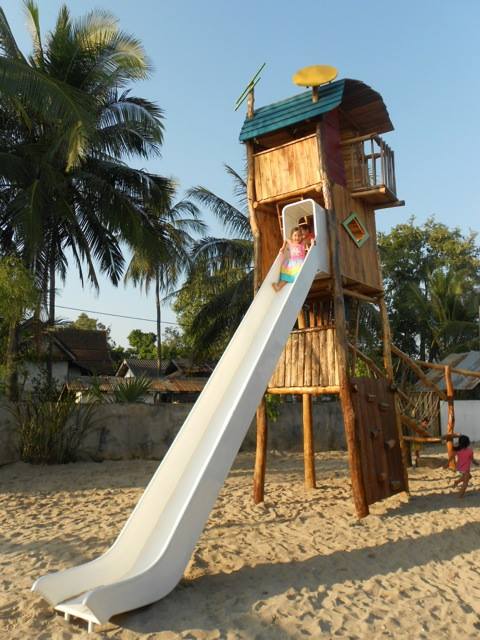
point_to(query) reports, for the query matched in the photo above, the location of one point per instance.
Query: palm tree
(164, 266)
(445, 307)
(68, 126)
(219, 286)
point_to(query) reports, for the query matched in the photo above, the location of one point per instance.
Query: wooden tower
(325, 145)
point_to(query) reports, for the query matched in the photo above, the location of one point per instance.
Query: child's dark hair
(463, 443)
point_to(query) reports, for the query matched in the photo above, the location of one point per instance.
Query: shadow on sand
(227, 600)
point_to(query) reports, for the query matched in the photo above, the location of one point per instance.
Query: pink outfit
(293, 262)
(464, 460)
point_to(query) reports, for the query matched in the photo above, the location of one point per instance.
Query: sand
(298, 566)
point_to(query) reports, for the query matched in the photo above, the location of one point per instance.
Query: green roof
(292, 110)
(360, 103)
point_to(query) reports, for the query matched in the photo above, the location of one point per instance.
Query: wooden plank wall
(309, 357)
(358, 263)
(286, 168)
(270, 236)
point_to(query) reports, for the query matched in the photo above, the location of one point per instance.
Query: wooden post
(308, 441)
(262, 425)
(451, 413)
(358, 485)
(260, 453)
(388, 364)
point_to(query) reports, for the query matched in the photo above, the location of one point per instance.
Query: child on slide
(294, 255)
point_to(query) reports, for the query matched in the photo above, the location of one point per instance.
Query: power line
(114, 315)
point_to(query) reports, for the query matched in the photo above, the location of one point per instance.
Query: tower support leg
(260, 453)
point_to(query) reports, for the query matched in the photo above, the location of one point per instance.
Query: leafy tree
(142, 344)
(119, 353)
(18, 295)
(67, 122)
(417, 263)
(91, 324)
(174, 344)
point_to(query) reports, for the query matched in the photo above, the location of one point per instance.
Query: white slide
(151, 552)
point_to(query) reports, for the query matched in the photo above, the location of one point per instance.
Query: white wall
(31, 371)
(467, 418)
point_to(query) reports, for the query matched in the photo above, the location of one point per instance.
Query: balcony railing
(369, 164)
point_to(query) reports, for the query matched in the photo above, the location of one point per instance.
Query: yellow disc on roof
(314, 75)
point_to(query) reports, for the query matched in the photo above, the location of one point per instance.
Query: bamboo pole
(412, 424)
(412, 364)
(368, 361)
(308, 441)
(447, 438)
(358, 485)
(294, 391)
(441, 367)
(451, 414)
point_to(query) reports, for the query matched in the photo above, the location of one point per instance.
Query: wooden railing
(369, 163)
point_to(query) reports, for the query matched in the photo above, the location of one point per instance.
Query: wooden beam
(368, 361)
(413, 424)
(316, 186)
(440, 367)
(451, 414)
(389, 205)
(465, 372)
(349, 141)
(351, 433)
(422, 439)
(359, 296)
(368, 192)
(447, 438)
(412, 364)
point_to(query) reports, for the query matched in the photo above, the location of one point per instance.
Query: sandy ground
(298, 566)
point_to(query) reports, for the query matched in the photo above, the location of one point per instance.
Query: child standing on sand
(294, 255)
(464, 458)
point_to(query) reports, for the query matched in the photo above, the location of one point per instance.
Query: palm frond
(8, 44)
(232, 218)
(33, 24)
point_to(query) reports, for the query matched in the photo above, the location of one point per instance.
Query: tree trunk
(51, 313)
(159, 322)
(11, 362)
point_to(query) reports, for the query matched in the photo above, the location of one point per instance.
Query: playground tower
(326, 145)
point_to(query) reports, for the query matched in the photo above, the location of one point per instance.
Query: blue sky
(423, 57)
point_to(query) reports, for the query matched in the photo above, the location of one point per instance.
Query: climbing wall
(379, 441)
